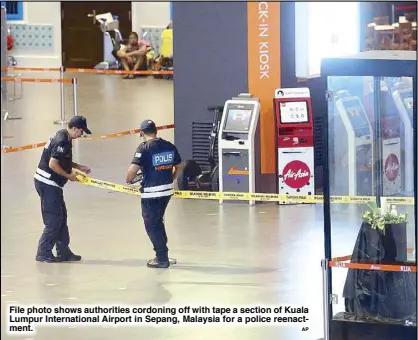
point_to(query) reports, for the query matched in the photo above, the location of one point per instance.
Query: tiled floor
(227, 255)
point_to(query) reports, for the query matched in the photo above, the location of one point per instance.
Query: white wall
(41, 13)
(150, 14)
(317, 38)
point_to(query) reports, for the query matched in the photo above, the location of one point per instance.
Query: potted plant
(378, 294)
(391, 229)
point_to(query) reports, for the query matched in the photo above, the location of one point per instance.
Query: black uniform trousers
(54, 215)
(153, 210)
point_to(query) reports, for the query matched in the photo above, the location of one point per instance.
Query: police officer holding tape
(54, 171)
(159, 161)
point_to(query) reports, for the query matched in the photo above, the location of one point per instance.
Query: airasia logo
(391, 167)
(296, 174)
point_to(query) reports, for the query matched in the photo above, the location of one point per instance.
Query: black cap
(148, 126)
(80, 122)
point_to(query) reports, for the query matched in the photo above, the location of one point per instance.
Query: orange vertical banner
(264, 72)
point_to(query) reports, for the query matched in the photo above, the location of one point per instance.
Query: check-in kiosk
(351, 148)
(390, 131)
(403, 98)
(238, 145)
(295, 141)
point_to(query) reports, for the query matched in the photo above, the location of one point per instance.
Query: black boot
(46, 258)
(69, 256)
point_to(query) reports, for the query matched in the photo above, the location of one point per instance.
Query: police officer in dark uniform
(54, 170)
(159, 162)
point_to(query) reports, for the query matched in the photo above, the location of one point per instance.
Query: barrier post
(326, 298)
(3, 100)
(75, 96)
(14, 97)
(4, 64)
(62, 120)
(4, 69)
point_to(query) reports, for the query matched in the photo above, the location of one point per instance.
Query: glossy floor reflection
(227, 255)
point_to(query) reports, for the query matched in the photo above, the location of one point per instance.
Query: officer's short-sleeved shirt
(157, 158)
(59, 147)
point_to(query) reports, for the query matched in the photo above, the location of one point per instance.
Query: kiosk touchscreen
(351, 149)
(238, 145)
(238, 120)
(295, 142)
(404, 103)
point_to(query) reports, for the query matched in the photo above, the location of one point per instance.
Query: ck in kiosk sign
(295, 141)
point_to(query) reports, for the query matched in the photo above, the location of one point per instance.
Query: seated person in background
(134, 54)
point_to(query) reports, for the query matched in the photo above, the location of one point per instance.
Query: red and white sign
(296, 174)
(296, 171)
(392, 167)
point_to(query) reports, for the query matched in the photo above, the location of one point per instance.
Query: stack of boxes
(402, 35)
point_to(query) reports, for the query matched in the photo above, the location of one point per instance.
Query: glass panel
(398, 150)
(351, 165)
(371, 170)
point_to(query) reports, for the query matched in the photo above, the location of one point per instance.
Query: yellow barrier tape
(238, 196)
(84, 179)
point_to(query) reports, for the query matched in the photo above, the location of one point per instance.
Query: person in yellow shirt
(167, 43)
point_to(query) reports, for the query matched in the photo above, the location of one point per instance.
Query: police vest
(58, 147)
(157, 158)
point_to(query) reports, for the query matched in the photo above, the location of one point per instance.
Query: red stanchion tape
(107, 136)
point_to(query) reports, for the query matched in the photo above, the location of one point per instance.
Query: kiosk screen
(294, 112)
(357, 118)
(238, 120)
